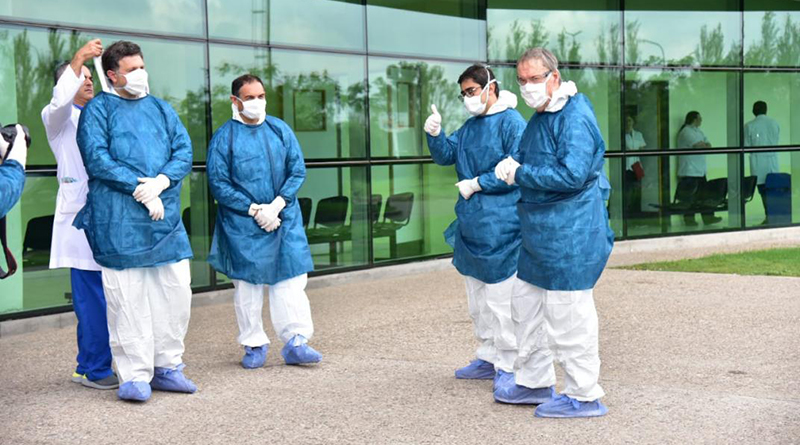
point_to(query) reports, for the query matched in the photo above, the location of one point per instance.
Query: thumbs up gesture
(433, 125)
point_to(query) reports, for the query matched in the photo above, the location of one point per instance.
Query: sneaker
(134, 391)
(476, 370)
(173, 380)
(254, 357)
(77, 378)
(564, 406)
(110, 382)
(712, 220)
(522, 395)
(297, 352)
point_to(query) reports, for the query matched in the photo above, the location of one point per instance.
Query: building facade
(355, 80)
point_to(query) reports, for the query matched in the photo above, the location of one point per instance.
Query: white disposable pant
(490, 310)
(148, 314)
(288, 307)
(560, 325)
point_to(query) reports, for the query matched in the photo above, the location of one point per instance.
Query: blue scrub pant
(89, 302)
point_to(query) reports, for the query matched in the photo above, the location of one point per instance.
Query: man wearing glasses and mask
(566, 240)
(485, 236)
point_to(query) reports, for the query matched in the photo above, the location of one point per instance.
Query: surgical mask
(136, 83)
(255, 109)
(535, 94)
(474, 105)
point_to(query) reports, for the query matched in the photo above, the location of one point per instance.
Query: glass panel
(419, 204)
(589, 32)
(127, 16)
(660, 102)
(28, 57)
(321, 96)
(334, 24)
(29, 229)
(666, 196)
(428, 28)
(683, 32)
(601, 86)
(197, 220)
(772, 33)
(780, 94)
(400, 95)
(770, 195)
(336, 209)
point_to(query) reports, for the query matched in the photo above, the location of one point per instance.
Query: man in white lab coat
(70, 248)
(762, 131)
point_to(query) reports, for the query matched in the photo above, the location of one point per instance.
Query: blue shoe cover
(172, 380)
(522, 395)
(297, 352)
(254, 357)
(135, 391)
(502, 378)
(565, 406)
(477, 369)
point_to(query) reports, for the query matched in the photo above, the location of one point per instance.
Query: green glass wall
(355, 80)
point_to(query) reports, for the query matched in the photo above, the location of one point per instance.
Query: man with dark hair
(762, 131)
(137, 152)
(255, 168)
(73, 90)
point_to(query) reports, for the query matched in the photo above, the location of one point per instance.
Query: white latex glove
(274, 226)
(433, 124)
(261, 217)
(468, 187)
(273, 209)
(156, 209)
(150, 188)
(19, 149)
(506, 168)
(3, 147)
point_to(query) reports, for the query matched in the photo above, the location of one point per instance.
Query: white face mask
(535, 94)
(255, 109)
(474, 105)
(136, 83)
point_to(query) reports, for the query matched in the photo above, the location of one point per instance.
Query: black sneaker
(110, 382)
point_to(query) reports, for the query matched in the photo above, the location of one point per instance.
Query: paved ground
(687, 358)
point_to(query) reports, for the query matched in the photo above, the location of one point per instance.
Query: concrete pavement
(687, 358)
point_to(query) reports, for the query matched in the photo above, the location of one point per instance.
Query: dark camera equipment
(9, 133)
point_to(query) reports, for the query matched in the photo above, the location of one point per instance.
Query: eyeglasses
(534, 79)
(469, 92)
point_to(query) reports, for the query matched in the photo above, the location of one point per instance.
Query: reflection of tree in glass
(608, 47)
(519, 39)
(773, 49)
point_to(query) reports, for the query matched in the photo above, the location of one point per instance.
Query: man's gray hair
(546, 57)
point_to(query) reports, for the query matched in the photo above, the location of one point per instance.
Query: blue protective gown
(121, 140)
(12, 181)
(566, 239)
(250, 164)
(487, 238)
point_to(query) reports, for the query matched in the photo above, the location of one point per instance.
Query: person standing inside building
(566, 241)
(486, 234)
(762, 131)
(137, 152)
(12, 169)
(692, 168)
(73, 90)
(255, 169)
(634, 171)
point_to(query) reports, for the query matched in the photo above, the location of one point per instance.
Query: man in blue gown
(255, 169)
(566, 240)
(486, 234)
(137, 152)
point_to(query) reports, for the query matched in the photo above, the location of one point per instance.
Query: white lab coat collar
(561, 96)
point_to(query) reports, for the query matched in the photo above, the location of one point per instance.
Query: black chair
(305, 210)
(396, 215)
(714, 195)
(329, 224)
(376, 201)
(37, 242)
(749, 188)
